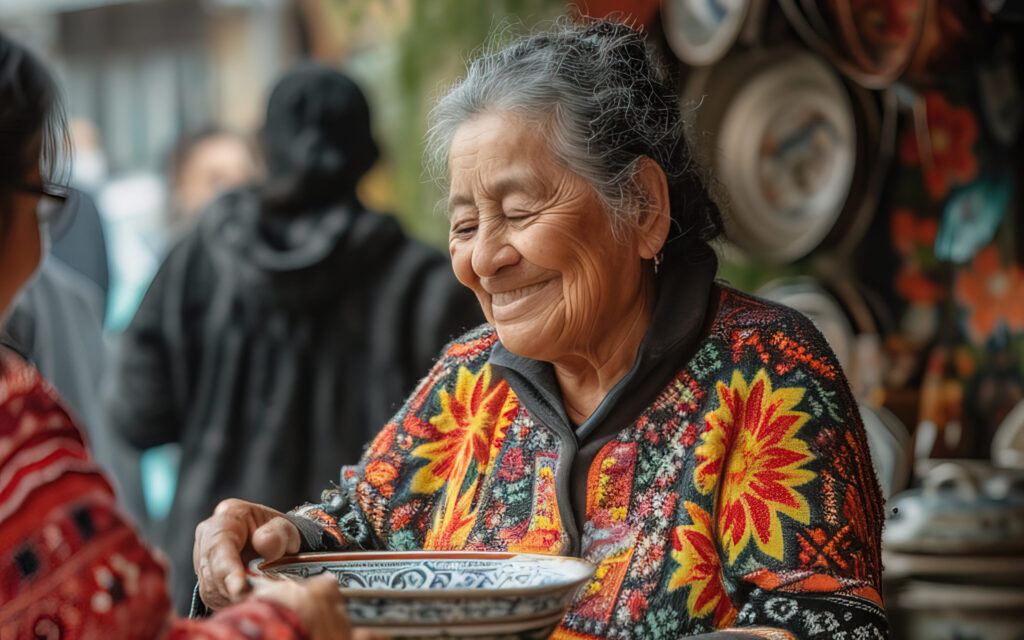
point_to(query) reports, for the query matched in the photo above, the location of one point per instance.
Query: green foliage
(405, 75)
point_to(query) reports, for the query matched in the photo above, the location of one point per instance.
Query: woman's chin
(522, 338)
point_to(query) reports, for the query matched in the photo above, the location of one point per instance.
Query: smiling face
(533, 241)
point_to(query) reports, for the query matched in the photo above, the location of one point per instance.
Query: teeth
(506, 297)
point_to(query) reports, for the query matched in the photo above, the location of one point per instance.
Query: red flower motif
(992, 294)
(637, 604)
(401, 516)
(755, 459)
(952, 132)
(513, 467)
(914, 286)
(910, 232)
(689, 435)
(700, 569)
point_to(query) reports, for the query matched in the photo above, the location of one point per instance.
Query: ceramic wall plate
(443, 588)
(701, 32)
(786, 152)
(872, 45)
(890, 448)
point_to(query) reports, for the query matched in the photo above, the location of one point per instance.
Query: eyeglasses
(53, 198)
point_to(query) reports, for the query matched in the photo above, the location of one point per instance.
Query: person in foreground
(699, 445)
(71, 565)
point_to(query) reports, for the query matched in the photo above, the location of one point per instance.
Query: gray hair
(606, 103)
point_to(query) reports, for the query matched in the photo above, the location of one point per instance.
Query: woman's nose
(492, 251)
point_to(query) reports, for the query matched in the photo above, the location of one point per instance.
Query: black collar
(681, 305)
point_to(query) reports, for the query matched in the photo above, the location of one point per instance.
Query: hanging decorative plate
(785, 148)
(889, 443)
(872, 42)
(701, 32)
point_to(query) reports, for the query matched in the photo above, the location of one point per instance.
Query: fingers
(220, 569)
(217, 553)
(276, 538)
(317, 602)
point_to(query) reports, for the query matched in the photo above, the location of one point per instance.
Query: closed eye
(463, 230)
(520, 215)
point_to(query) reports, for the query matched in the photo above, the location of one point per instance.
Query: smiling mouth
(508, 297)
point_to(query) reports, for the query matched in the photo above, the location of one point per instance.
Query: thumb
(276, 538)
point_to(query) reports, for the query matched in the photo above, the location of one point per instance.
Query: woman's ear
(656, 217)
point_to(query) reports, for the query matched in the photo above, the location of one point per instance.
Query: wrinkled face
(533, 241)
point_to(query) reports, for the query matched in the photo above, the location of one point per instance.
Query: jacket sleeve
(238, 622)
(70, 559)
(143, 395)
(798, 514)
(352, 515)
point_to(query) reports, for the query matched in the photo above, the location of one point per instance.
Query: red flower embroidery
(513, 466)
(700, 569)
(952, 132)
(637, 604)
(991, 294)
(753, 457)
(910, 232)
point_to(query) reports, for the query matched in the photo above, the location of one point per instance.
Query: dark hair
(317, 140)
(606, 102)
(30, 111)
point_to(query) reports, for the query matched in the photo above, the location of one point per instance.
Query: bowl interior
(426, 573)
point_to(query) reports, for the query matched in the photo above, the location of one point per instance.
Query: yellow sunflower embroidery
(751, 453)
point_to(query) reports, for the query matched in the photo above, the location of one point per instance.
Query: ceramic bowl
(962, 507)
(481, 593)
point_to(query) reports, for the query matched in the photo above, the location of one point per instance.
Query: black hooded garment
(273, 348)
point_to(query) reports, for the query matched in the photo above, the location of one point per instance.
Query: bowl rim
(258, 566)
(471, 628)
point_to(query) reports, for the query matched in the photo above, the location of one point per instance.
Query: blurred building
(145, 71)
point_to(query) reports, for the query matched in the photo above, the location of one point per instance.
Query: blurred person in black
(287, 326)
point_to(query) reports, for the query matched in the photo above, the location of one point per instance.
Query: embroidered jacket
(741, 497)
(71, 564)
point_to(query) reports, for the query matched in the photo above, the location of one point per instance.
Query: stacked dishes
(458, 593)
(953, 552)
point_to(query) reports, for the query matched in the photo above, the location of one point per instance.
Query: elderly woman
(698, 445)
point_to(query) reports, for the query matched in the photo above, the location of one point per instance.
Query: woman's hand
(237, 532)
(318, 603)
